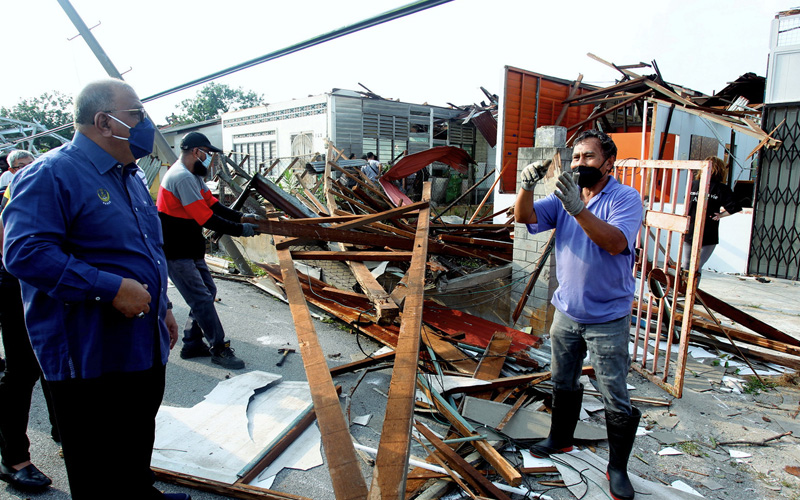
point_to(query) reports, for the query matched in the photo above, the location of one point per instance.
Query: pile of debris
(479, 375)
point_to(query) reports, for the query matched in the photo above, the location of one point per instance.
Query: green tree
(49, 110)
(213, 100)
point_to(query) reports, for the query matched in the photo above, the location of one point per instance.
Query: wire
(391, 15)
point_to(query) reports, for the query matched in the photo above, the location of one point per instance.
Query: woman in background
(721, 203)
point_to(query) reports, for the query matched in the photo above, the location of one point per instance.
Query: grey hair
(606, 143)
(96, 97)
(18, 154)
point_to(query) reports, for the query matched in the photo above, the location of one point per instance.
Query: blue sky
(437, 56)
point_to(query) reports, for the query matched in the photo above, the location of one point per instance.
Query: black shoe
(621, 435)
(177, 496)
(225, 357)
(27, 479)
(201, 351)
(566, 411)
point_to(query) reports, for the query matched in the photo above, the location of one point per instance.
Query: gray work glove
(252, 218)
(533, 173)
(569, 193)
(249, 230)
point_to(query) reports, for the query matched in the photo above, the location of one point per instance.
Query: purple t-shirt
(593, 285)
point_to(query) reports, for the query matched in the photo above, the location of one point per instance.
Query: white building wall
(279, 122)
(784, 59)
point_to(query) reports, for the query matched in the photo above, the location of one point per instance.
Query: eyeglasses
(140, 113)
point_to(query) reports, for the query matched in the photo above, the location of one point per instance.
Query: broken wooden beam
(243, 491)
(348, 483)
(494, 357)
(457, 463)
(363, 363)
(351, 255)
(391, 464)
(487, 451)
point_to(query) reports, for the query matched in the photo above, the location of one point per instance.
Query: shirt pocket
(151, 224)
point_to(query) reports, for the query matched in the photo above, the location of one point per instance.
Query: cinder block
(525, 244)
(546, 153)
(525, 154)
(551, 136)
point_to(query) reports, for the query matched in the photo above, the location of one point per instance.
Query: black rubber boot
(566, 411)
(621, 435)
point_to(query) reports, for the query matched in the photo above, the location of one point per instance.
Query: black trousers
(22, 372)
(107, 429)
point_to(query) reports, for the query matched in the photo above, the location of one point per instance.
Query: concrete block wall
(528, 248)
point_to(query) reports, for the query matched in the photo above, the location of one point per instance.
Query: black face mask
(588, 176)
(200, 170)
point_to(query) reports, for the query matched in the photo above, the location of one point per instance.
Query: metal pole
(163, 148)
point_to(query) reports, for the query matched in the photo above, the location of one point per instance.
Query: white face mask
(207, 161)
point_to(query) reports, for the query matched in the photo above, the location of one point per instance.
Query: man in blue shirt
(83, 236)
(596, 221)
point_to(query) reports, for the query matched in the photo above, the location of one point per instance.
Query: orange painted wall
(520, 105)
(629, 146)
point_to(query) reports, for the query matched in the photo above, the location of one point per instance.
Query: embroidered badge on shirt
(104, 196)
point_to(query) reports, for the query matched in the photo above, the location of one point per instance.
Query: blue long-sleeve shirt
(78, 223)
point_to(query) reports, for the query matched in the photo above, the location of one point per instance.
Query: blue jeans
(608, 346)
(194, 282)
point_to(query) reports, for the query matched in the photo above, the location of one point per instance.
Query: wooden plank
(764, 141)
(353, 201)
(313, 199)
(385, 308)
(511, 412)
(363, 220)
(511, 382)
(400, 291)
(586, 97)
(491, 190)
(771, 142)
(487, 451)
(788, 362)
(564, 106)
(345, 307)
(745, 319)
(494, 357)
(351, 255)
(703, 324)
(391, 464)
(316, 233)
(457, 463)
(361, 183)
(242, 491)
(363, 363)
(450, 353)
(670, 222)
(606, 111)
(503, 246)
(274, 164)
(348, 483)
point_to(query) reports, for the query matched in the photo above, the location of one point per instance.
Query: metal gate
(664, 290)
(775, 244)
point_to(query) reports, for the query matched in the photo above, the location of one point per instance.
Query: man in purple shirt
(82, 235)
(596, 221)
